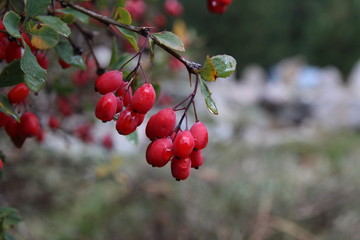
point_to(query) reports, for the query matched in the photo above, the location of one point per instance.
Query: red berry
(125, 94)
(144, 98)
(1, 164)
(136, 8)
(127, 122)
(29, 124)
(54, 122)
(14, 131)
(173, 8)
(141, 118)
(161, 124)
(197, 159)
(4, 42)
(109, 82)
(180, 168)
(159, 152)
(119, 105)
(225, 2)
(84, 132)
(42, 60)
(13, 51)
(18, 93)
(107, 142)
(65, 107)
(200, 134)
(28, 41)
(63, 64)
(106, 107)
(216, 6)
(3, 119)
(183, 144)
(40, 136)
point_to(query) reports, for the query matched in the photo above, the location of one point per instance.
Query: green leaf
(152, 49)
(66, 52)
(43, 36)
(208, 72)
(56, 24)
(114, 52)
(210, 104)
(7, 108)
(11, 74)
(35, 76)
(69, 11)
(170, 40)
(11, 23)
(120, 3)
(18, 5)
(131, 37)
(225, 65)
(122, 15)
(36, 7)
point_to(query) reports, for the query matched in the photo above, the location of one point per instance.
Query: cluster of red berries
(169, 143)
(29, 123)
(218, 6)
(118, 103)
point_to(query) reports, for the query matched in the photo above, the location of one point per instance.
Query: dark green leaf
(210, 104)
(43, 36)
(80, 16)
(7, 108)
(208, 72)
(66, 52)
(11, 74)
(35, 76)
(131, 37)
(170, 40)
(56, 24)
(122, 15)
(225, 65)
(114, 52)
(11, 23)
(36, 7)
(18, 5)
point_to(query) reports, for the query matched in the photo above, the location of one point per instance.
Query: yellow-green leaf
(43, 36)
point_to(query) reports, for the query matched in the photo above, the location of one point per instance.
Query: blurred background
(282, 161)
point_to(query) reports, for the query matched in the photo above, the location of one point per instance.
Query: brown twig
(192, 67)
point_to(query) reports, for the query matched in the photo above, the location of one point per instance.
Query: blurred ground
(272, 171)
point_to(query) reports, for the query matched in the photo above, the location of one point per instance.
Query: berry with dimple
(127, 122)
(180, 168)
(197, 158)
(173, 8)
(18, 93)
(200, 134)
(159, 152)
(109, 82)
(106, 107)
(29, 124)
(144, 98)
(54, 122)
(161, 124)
(183, 144)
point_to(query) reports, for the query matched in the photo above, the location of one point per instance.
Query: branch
(192, 67)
